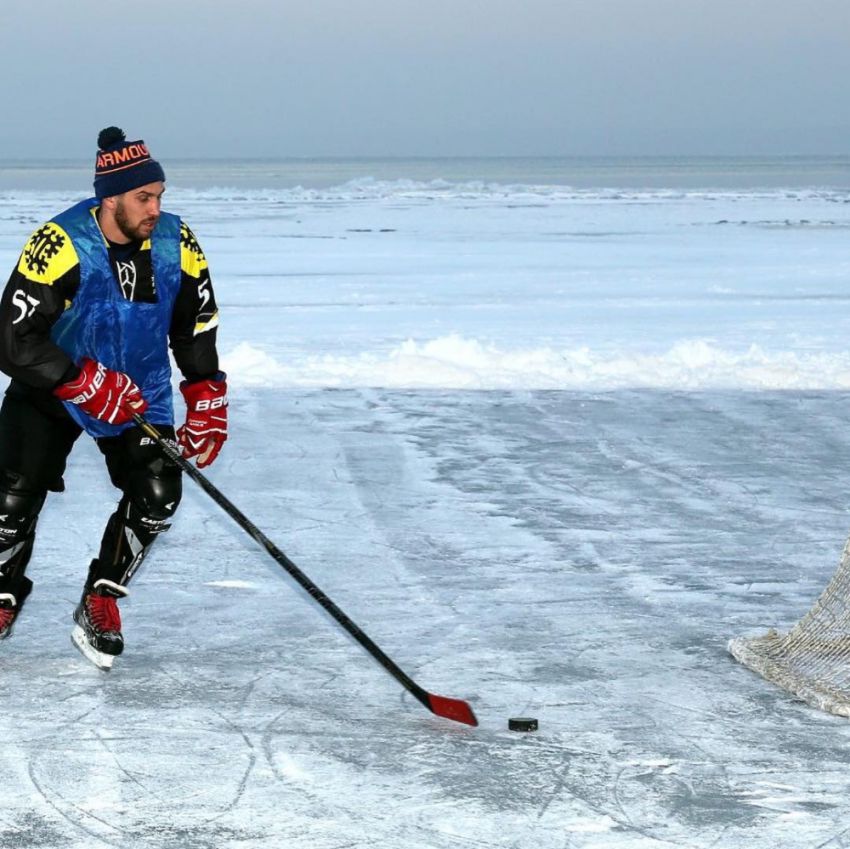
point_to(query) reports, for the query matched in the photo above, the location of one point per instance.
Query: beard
(135, 233)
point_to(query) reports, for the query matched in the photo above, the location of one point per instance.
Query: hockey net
(812, 660)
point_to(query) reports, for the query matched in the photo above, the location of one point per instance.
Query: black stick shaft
(315, 593)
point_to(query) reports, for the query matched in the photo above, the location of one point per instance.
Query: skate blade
(89, 652)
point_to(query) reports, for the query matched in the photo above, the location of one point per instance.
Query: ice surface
(579, 554)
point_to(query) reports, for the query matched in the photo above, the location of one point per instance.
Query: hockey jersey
(74, 294)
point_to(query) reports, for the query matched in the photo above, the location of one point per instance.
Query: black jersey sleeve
(39, 290)
(195, 317)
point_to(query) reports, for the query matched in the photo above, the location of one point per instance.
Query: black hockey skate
(98, 630)
(10, 606)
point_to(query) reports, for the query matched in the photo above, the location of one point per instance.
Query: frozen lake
(550, 454)
(580, 558)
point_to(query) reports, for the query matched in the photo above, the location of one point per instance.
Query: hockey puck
(522, 723)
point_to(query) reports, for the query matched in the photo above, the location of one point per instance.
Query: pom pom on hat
(109, 137)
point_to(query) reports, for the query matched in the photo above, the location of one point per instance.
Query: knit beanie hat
(122, 166)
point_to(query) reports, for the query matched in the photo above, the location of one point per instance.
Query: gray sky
(426, 77)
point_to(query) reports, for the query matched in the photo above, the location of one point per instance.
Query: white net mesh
(812, 660)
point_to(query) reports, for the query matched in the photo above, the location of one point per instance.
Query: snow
(550, 449)
(452, 362)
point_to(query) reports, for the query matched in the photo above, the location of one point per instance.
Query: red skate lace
(103, 612)
(7, 614)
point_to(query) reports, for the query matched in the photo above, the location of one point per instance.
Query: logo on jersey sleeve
(25, 305)
(207, 317)
(47, 255)
(192, 259)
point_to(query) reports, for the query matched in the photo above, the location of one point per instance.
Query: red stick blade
(455, 709)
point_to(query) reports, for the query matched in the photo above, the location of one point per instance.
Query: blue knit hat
(122, 166)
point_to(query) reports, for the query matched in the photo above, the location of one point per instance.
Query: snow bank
(455, 362)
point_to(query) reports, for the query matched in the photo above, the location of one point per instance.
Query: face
(136, 212)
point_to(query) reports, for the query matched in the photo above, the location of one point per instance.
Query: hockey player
(98, 295)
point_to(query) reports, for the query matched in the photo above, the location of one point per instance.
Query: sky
(272, 78)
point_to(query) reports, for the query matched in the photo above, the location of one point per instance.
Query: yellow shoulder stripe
(192, 259)
(47, 255)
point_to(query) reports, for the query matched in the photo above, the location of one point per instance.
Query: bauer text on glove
(206, 419)
(110, 396)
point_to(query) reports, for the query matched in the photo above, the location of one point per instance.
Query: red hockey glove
(206, 419)
(110, 396)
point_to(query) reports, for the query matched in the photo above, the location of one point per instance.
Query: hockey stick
(455, 709)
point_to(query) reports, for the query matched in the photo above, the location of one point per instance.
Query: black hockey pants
(36, 437)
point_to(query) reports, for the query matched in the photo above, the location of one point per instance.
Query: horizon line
(21, 160)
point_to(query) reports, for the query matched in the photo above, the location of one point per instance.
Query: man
(98, 295)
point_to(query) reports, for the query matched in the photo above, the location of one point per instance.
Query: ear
(109, 203)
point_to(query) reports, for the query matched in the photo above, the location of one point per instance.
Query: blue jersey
(125, 335)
